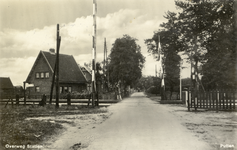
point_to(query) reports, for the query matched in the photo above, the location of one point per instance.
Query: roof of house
(69, 72)
(88, 75)
(85, 69)
(6, 83)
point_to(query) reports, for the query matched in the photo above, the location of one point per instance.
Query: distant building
(6, 88)
(71, 77)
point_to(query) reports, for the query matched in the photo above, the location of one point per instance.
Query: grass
(15, 129)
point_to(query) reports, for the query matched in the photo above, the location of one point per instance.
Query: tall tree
(194, 26)
(207, 28)
(170, 48)
(126, 61)
(220, 59)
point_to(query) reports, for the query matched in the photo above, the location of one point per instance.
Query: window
(61, 89)
(37, 75)
(37, 89)
(65, 89)
(69, 89)
(42, 75)
(47, 75)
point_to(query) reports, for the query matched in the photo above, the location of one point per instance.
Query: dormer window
(41, 75)
(47, 75)
(37, 75)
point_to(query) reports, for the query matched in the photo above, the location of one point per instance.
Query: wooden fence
(35, 99)
(212, 100)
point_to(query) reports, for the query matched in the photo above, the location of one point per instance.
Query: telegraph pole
(194, 72)
(162, 61)
(180, 81)
(94, 53)
(105, 58)
(53, 83)
(107, 75)
(57, 67)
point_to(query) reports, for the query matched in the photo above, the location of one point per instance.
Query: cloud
(76, 37)
(20, 48)
(16, 43)
(16, 68)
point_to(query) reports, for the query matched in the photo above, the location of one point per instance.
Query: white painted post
(94, 54)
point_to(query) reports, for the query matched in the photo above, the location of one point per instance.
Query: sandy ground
(76, 130)
(217, 129)
(141, 123)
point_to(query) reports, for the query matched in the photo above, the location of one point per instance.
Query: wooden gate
(213, 100)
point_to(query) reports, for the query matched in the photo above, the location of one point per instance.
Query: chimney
(52, 51)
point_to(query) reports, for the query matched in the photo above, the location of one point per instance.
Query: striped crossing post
(94, 53)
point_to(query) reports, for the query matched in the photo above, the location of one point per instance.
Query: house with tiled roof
(71, 78)
(6, 88)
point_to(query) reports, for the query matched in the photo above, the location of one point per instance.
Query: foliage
(98, 73)
(76, 95)
(220, 59)
(15, 129)
(170, 46)
(126, 61)
(153, 90)
(207, 28)
(149, 84)
(88, 65)
(203, 30)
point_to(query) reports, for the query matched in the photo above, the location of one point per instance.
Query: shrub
(153, 90)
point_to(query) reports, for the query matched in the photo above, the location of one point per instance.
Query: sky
(29, 26)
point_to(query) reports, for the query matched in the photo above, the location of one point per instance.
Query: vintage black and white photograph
(118, 75)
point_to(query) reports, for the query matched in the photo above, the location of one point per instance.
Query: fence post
(211, 100)
(191, 98)
(200, 100)
(184, 98)
(188, 100)
(24, 86)
(219, 105)
(231, 100)
(223, 103)
(227, 101)
(217, 101)
(195, 103)
(234, 99)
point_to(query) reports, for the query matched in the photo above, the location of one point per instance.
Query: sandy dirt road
(138, 123)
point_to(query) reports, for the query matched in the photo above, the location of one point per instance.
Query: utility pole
(105, 58)
(57, 67)
(94, 53)
(53, 83)
(106, 64)
(180, 80)
(194, 72)
(162, 62)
